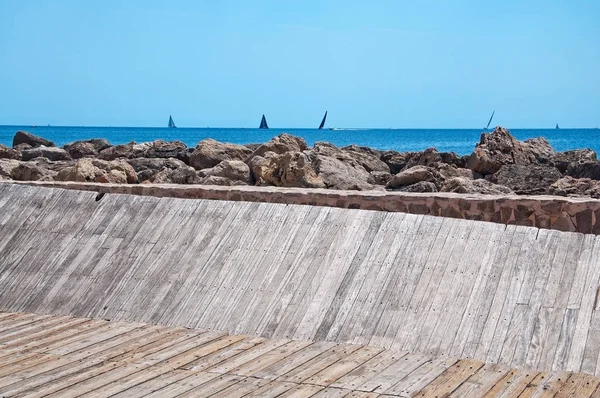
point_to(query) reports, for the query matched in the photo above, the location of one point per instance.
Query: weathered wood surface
(511, 295)
(54, 356)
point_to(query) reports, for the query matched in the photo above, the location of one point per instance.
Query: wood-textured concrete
(516, 296)
(58, 356)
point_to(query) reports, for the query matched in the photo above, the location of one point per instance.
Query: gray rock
(414, 175)
(86, 148)
(146, 168)
(562, 160)
(466, 185)
(396, 161)
(7, 166)
(234, 170)
(50, 153)
(27, 171)
(367, 158)
(23, 137)
(585, 170)
(526, 180)
(181, 175)
(209, 153)
(281, 144)
(9, 153)
(500, 147)
(97, 170)
(336, 173)
(291, 169)
(569, 186)
(421, 186)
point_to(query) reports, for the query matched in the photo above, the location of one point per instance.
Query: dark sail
(490, 121)
(171, 123)
(557, 126)
(323, 121)
(263, 123)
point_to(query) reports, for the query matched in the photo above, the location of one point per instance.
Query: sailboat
(490, 121)
(171, 123)
(557, 128)
(263, 123)
(323, 121)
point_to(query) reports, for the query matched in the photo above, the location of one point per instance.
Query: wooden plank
(578, 385)
(482, 381)
(301, 391)
(318, 363)
(181, 386)
(369, 369)
(451, 379)
(273, 389)
(419, 378)
(293, 361)
(512, 384)
(391, 375)
(218, 357)
(252, 367)
(344, 366)
(246, 356)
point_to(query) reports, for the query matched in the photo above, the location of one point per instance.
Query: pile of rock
(500, 164)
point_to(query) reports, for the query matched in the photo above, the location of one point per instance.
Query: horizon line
(299, 128)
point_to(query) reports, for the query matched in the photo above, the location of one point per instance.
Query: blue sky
(383, 63)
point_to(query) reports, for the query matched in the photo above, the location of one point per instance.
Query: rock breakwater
(499, 164)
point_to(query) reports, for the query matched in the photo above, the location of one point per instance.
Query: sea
(461, 141)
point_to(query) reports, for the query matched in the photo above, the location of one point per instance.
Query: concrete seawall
(548, 212)
(509, 294)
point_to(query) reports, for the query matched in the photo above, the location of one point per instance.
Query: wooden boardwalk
(444, 288)
(59, 356)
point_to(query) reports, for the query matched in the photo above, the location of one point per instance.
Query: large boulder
(209, 153)
(367, 158)
(421, 186)
(234, 170)
(291, 169)
(9, 153)
(432, 158)
(28, 171)
(50, 153)
(526, 180)
(562, 160)
(168, 149)
(146, 168)
(395, 160)
(180, 175)
(500, 147)
(23, 137)
(281, 144)
(122, 151)
(338, 170)
(97, 170)
(569, 186)
(7, 166)
(585, 170)
(466, 185)
(86, 148)
(449, 171)
(414, 175)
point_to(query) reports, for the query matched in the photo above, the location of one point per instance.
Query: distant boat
(171, 123)
(557, 126)
(263, 123)
(490, 121)
(323, 121)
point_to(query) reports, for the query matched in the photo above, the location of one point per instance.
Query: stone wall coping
(148, 189)
(549, 212)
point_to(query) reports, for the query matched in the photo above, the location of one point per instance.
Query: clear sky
(224, 63)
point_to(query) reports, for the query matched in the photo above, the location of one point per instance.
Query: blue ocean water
(461, 141)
